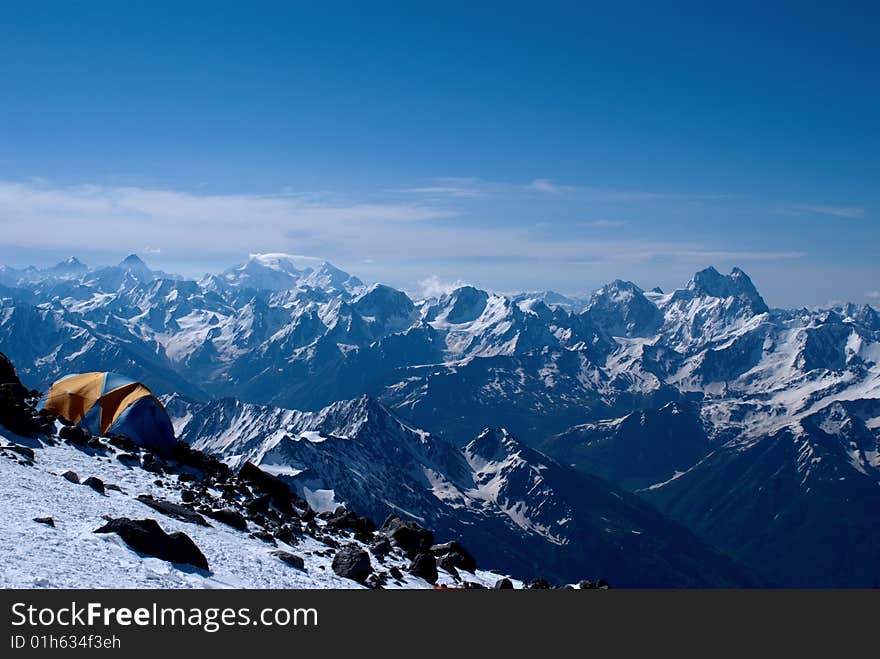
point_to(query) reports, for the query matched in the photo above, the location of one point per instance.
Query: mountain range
(757, 429)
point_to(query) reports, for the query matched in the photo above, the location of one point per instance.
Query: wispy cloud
(610, 194)
(874, 295)
(604, 224)
(402, 239)
(797, 210)
(546, 186)
(434, 286)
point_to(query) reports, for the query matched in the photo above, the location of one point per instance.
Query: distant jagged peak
(710, 282)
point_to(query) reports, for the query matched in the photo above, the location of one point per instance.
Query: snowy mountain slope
(799, 503)
(572, 377)
(519, 509)
(58, 489)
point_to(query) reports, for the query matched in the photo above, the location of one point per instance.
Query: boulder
(453, 553)
(75, 435)
(352, 562)
(48, 521)
(538, 584)
(95, 483)
(407, 535)
(70, 476)
(344, 519)
(174, 510)
(291, 559)
(147, 537)
(424, 565)
(229, 517)
(152, 464)
(503, 584)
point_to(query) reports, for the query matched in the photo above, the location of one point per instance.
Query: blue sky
(524, 146)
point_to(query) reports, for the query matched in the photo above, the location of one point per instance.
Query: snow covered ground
(71, 555)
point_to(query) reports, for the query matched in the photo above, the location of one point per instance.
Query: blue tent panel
(147, 423)
(114, 381)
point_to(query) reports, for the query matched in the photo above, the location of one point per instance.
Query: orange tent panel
(72, 397)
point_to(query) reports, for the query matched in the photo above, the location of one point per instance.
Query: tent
(111, 403)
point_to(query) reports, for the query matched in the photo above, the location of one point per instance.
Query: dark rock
(187, 496)
(455, 554)
(448, 564)
(407, 535)
(24, 451)
(95, 483)
(48, 521)
(291, 559)
(382, 547)
(503, 584)
(280, 492)
(147, 537)
(70, 476)
(538, 584)
(174, 510)
(586, 584)
(288, 534)
(129, 459)
(123, 443)
(186, 477)
(113, 486)
(258, 504)
(75, 435)
(352, 562)
(152, 464)
(602, 584)
(264, 536)
(374, 581)
(395, 572)
(344, 519)
(424, 565)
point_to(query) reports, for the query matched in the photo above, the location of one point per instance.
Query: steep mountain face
(517, 508)
(637, 450)
(799, 504)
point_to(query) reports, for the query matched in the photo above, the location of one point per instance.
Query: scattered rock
(291, 559)
(152, 464)
(129, 459)
(538, 584)
(147, 537)
(503, 584)
(407, 535)
(25, 451)
(381, 548)
(424, 565)
(344, 519)
(258, 504)
(447, 564)
(75, 435)
(187, 496)
(48, 521)
(586, 584)
(352, 562)
(95, 483)
(70, 476)
(174, 510)
(113, 486)
(264, 536)
(124, 443)
(374, 581)
(453, 553)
